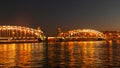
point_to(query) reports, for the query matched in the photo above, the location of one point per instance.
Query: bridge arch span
(20, 32)
(82, 33)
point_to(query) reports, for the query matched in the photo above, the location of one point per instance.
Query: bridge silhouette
(20, 33)
(80, 34)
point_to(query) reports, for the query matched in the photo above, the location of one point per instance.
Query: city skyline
(66, 14)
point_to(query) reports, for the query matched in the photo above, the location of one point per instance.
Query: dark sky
(67, 14)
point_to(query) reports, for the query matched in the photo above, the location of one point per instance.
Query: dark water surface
(85, 54)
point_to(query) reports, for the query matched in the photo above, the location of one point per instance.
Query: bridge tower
(59, 32)
(41, 35)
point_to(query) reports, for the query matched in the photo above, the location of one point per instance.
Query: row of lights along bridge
(25, 33)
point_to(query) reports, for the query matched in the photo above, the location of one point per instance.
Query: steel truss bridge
(82, 34)
(20, 33)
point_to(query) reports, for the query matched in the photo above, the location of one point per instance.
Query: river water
(84, 54)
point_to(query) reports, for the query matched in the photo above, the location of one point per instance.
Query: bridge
(20, 33)
(81, 34)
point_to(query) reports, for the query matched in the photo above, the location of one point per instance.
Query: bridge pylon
(59, 31)
(40, 36)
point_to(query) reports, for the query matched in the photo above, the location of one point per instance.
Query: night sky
(66, 14)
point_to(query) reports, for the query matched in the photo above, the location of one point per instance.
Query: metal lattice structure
(20, 32)
(83, 33)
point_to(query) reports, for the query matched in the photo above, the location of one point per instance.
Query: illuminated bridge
(82, 34)
(11, 33)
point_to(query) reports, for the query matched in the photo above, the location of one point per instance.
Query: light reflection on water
(21, 55)
(85, 54)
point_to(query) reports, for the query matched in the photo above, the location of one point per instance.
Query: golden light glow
(20, 31)
(83, 33)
